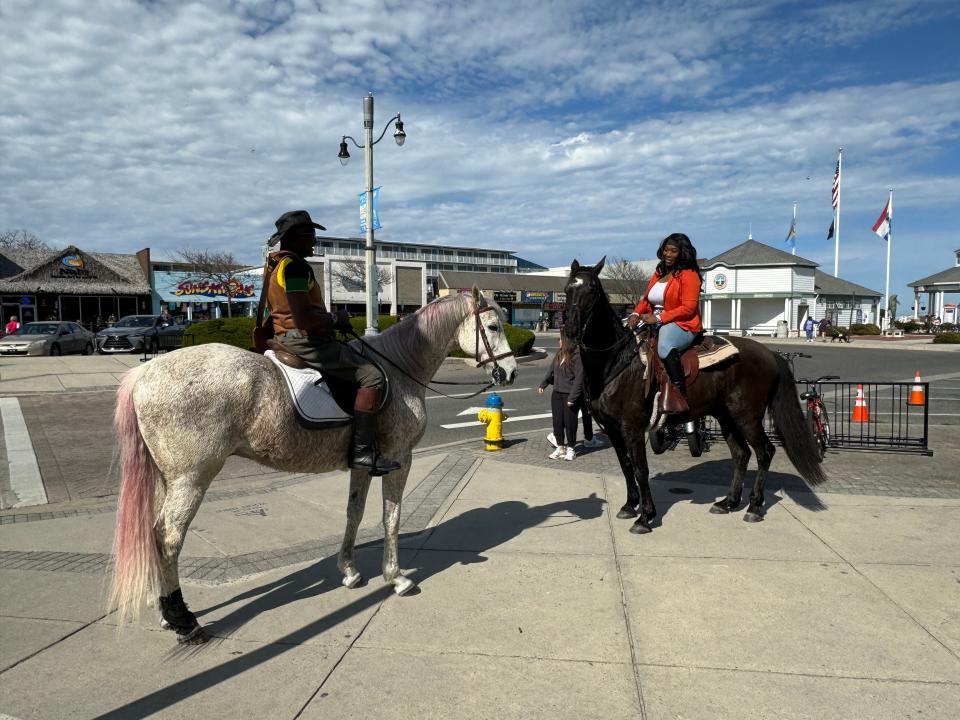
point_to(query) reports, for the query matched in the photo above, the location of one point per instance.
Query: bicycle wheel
(816, 431)
(825, 427)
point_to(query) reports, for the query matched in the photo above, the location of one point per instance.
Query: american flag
(836, 186)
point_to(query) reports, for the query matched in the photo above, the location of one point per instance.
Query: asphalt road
(73, 438)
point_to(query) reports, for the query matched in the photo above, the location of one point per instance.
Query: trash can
(782, 329)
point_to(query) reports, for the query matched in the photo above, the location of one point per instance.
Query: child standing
(566, 376)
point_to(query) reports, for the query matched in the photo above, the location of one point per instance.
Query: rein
(480, 334)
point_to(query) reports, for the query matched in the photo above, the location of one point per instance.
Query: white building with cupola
(756, 289)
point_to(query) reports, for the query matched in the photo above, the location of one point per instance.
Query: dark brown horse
(737, 393)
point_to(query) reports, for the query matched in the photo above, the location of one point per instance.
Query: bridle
(584, 318)
(498, 374)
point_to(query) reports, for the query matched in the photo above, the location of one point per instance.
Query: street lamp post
(370, 251)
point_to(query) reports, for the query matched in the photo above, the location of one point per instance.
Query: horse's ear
(477, 297)
(599, 265)
(574, 267)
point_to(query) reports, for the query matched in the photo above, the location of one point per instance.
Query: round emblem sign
(719, 281)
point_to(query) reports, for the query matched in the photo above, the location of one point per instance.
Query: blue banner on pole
(363, 210)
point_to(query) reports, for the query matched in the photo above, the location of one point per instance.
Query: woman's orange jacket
(681, 301)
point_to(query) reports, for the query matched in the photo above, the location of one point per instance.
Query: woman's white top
(655, 296)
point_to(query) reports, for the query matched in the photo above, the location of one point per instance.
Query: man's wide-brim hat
(290, 220)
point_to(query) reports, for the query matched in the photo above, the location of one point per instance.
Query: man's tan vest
(280, 312)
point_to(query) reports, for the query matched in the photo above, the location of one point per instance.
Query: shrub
(236, 331)
(949, 328)
(834, 331)
(948, 338)
(908, 326)
(864, 329)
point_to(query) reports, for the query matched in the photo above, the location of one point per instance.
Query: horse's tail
(798, 441)
(136, 560)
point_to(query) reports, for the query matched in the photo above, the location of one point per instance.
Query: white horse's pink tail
(136, 568)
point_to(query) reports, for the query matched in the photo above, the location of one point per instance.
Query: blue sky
(558, 130)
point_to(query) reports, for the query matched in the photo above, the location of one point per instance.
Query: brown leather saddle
(706, 351)
(285, 356)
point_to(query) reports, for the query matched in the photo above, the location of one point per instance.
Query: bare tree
(352, 275)
(219, 268)
(19, 239)
(630, 281)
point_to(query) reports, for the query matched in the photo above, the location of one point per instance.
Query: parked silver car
(48, 338)
(133, 333)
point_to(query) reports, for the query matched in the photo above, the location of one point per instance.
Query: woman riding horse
(672, 305)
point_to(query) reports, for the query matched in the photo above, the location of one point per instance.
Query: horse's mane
(408, 342)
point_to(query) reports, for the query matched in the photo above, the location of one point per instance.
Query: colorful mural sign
(185, 287)
(233, 288)
(535, 296)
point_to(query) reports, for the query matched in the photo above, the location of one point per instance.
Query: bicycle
(818, 420)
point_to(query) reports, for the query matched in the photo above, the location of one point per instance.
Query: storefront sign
(534, 296)
(73, 267)
(719, 281)
(554, 306)
(234, 288)
(187, 287)
(560, 298)
(504, 296)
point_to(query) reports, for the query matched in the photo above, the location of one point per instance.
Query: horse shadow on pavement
(479, 530)
(707, 482)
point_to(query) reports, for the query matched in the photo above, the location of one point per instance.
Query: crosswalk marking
(24, 473)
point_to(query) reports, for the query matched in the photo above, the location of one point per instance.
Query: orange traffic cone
(916, 392)
(860, 411)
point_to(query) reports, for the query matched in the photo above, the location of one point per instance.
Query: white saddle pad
(311, 398)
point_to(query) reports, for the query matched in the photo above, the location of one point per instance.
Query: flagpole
(886, 289)
(793, 250)
(836, 216)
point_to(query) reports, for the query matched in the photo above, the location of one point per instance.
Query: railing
(166, 343)
(892, 424)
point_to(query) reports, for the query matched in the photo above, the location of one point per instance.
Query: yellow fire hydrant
(493, 416)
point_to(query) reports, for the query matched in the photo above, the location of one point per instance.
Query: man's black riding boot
(676, 397)
(363, 452)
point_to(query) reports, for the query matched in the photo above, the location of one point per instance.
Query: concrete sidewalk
(534, 601)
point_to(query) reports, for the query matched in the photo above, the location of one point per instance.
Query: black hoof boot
(640, 527)
(177, 617)
(753, 517)
(627, 512)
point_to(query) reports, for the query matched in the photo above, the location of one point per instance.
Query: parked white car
(48, 338)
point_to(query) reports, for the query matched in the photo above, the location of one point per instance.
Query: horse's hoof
(752, 517)
(195, 637)
(626, 513)
(719, 508)
(402, 585)
(640, 528)
(351, 580)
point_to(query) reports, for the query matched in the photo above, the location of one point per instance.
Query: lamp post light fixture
(400, 137)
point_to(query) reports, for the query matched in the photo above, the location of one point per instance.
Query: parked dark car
(48, 338)
(139, 333)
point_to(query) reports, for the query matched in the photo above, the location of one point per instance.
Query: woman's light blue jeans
(673, 337)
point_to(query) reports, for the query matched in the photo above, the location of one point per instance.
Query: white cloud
(549, 128)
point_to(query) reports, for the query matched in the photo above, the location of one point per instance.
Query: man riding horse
(672, 305)
(303, 326)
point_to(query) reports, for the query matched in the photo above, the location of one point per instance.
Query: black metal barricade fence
(891, 424)
(166, 343)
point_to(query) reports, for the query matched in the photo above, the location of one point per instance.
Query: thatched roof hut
(72, 271)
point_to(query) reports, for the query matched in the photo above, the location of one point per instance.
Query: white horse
(181, 415)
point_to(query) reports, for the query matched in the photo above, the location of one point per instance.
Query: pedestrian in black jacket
(566, 376)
